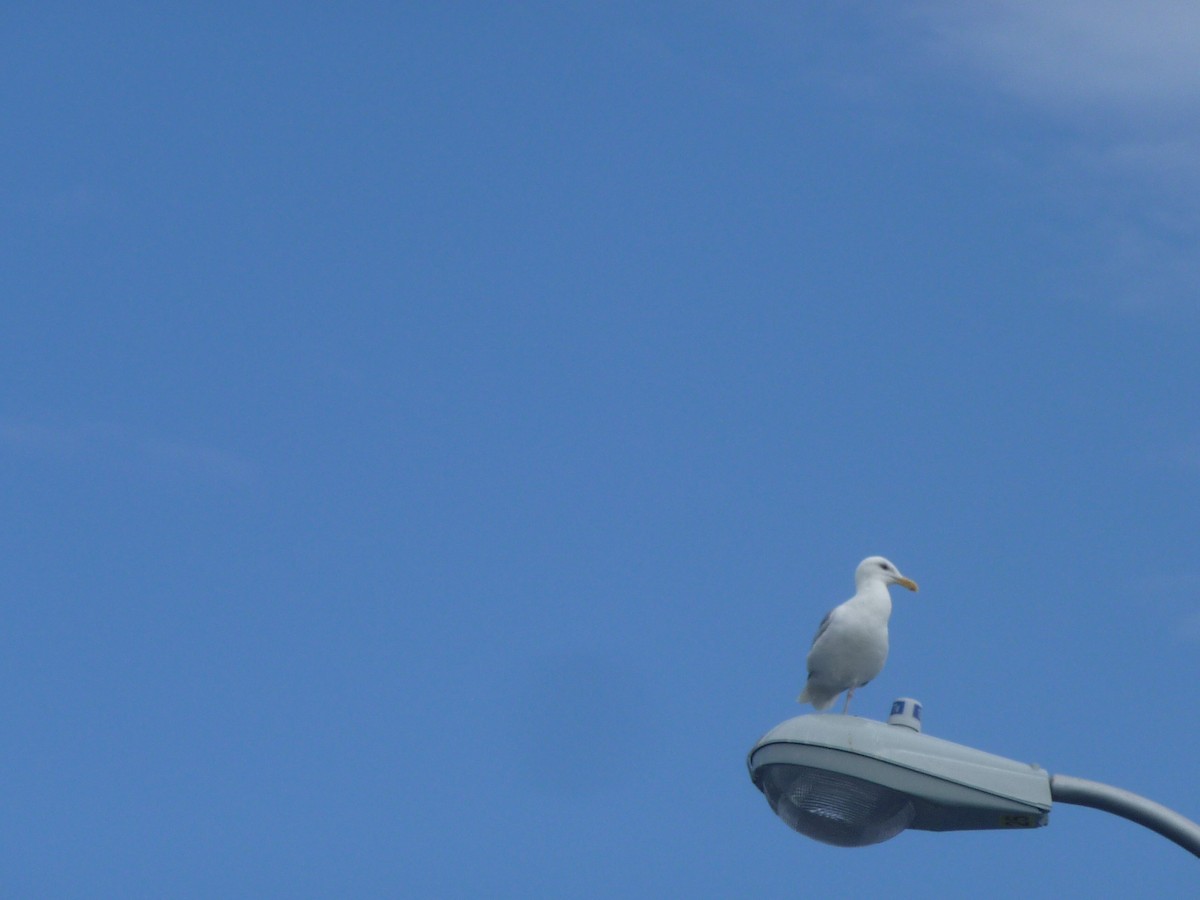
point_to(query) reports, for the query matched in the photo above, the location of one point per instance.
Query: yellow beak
(907, 582)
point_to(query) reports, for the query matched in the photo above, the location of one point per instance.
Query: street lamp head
(850, 782)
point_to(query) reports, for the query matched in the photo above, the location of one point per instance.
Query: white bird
(851, 645)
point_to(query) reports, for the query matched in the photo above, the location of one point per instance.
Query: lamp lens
(833, 808)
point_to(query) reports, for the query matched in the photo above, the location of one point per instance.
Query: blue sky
(433, 432)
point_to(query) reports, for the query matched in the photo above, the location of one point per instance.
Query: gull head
(876, 568)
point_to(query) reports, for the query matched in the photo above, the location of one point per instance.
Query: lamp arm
(1168, 823)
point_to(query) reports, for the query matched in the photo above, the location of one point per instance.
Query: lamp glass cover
(834, 808)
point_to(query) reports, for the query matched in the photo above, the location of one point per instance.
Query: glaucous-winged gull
(851, 645)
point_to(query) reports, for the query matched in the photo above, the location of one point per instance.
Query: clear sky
(431, 434)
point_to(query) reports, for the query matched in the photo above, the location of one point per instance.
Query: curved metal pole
(1170, 824)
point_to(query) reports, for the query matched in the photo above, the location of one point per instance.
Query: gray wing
(823, 627)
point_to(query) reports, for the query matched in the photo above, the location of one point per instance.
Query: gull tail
(820, 700)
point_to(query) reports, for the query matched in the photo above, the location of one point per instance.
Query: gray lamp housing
(850, 781)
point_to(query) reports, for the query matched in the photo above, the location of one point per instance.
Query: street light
(849, 781)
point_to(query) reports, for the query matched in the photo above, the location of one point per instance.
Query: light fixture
(850, 781)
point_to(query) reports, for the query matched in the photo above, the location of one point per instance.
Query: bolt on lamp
(851, 782)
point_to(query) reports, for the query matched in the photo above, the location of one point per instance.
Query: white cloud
(1122, 75)
(1139, 57)
(1100, 97)
(1121, 81)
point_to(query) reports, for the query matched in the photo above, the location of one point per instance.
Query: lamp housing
(849, 781)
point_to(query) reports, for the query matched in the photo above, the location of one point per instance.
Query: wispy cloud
(1138, 57)
(107, 444)
(1122, 74)
(1102, 96)
(1122, 80)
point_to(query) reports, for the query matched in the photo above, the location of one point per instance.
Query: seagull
(851, 645)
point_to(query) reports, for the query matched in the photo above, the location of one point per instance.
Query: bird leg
(846, 705)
